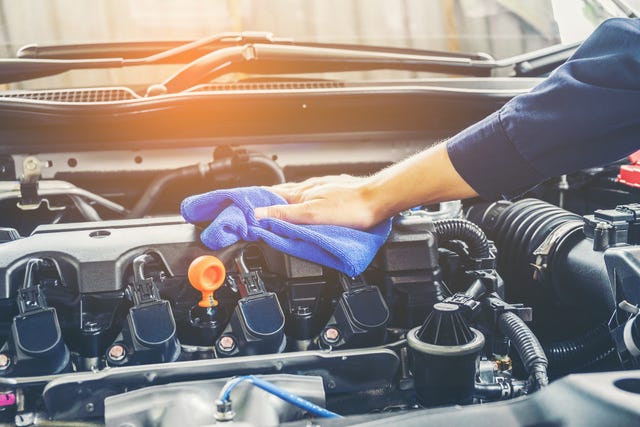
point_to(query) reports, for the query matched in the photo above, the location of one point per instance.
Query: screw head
(117, 353)
(331, 335)
(5, 361)
(226, 343)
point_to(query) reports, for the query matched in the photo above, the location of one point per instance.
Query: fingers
(322, 200)
(295, 192)
(297, 214)
(282, 192)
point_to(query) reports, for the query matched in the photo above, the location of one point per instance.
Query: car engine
(114, 313)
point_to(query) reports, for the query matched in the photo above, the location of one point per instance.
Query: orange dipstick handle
(206, 274)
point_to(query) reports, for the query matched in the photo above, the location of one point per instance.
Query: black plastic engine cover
(93, 257)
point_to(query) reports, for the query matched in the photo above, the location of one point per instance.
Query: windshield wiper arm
(292, 59)
(289, 59)
(538, 62)
(15, 70)
(184, 52)
(140, 53)
(261, 53)
(36, 61)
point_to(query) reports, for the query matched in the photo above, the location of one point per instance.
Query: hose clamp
(549, 245)
(627, 336)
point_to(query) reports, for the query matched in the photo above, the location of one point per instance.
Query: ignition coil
(257, 323)
(149, 334)
(360, 318)
(36, 338)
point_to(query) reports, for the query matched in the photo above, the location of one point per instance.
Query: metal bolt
(303, 310)
(31, 164)
(24, 419)
(331, 335)
(90, 326)
(226, 343)
(5, 361)
(224, 411)
(89, 407)
(117, 353)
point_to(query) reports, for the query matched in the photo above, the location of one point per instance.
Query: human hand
(337, 199)
(427, 177)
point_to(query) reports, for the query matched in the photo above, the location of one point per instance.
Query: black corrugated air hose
(581, 352)
(466, 231)
(528, 347)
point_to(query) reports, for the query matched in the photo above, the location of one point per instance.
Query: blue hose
(276, 391)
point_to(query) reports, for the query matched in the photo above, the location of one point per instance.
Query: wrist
(377, 199)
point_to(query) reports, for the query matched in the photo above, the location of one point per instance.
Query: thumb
(291, 213)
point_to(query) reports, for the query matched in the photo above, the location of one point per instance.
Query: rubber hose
(270, 165)
(528, 347)
(488, 391)
(581, 352)
(466, 231)
(156, 187)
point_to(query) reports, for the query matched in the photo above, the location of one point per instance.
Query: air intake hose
(547, 262)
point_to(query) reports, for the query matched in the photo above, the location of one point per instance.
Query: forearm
(584, 115)
(427, 177)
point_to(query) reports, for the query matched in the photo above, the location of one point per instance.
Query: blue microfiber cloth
(342, 248)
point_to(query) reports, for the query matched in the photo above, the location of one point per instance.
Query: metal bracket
(29, 185)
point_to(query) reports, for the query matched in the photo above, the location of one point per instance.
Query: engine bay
(113, 312)
(106, 319)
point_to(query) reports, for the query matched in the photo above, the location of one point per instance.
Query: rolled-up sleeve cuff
(489, 162)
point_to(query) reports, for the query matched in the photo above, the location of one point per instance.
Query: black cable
(466, 231)
(528, 347)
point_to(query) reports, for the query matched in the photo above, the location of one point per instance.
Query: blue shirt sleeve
(585, 114)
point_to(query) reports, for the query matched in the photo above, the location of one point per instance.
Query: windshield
(500, 28)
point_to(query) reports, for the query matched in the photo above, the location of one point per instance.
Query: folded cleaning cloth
(344, 249)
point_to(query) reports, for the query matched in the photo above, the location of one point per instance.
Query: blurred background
(501, 28)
